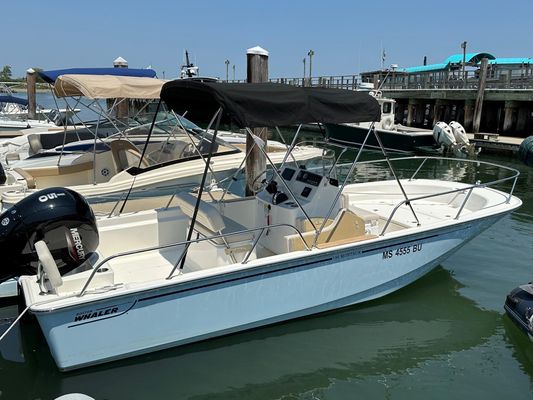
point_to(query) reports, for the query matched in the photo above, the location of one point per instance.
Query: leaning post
(31, 79)
(256, 72)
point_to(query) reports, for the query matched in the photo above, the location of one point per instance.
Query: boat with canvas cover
(120, 153)
(306, 243)
(33, 139)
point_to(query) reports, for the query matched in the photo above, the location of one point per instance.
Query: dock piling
(31, 79)
(257, 71)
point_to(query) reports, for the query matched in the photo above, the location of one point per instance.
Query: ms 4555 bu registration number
(402, 251)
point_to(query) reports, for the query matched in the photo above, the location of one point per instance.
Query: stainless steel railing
(187, 244)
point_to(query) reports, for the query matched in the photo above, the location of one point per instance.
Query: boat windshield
(173, 139)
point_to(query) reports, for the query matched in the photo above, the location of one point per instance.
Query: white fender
(48, 263)
(459, 133)
(443, 134)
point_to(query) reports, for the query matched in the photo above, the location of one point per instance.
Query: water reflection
(521, 345)
(423, 321)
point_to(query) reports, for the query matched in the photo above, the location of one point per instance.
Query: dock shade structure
(108, 87)
(52, 75)
(254, 105)
(13, 100)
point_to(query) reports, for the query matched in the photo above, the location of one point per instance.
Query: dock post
(420, 114)
(468, 115)
(509, 108)
(256, 72)
(437, 111)
(31, 79)
(410, 112)
(480, 95)
(522, 117)
(123, 108)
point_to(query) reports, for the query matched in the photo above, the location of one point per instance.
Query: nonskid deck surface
(381, 199)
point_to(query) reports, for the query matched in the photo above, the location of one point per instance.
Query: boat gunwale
(267, 262)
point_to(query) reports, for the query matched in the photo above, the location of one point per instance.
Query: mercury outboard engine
(61, 218)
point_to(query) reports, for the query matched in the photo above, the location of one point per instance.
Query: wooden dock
(491, 143)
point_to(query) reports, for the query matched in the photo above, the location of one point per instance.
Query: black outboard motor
(519, 307)
(60, 217)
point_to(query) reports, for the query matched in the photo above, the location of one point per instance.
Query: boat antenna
(392, 68)
(142, 155)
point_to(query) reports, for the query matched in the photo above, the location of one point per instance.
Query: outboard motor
(459, 133)
(464, 147)
(61, 218)
(443, 135)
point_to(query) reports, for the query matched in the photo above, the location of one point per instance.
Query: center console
(314, 192)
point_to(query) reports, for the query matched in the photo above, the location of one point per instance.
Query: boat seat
(34, 141)
(209, 221)
(10, 157)
(58, 170)
(30, 180)
(126, 155)
(347, 227)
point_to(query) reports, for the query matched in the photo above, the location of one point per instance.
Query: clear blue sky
(346, 36)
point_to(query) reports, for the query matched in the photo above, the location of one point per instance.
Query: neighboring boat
(394, 137)
(112, 163)
(14, 117)
(519, 307)
(443, 139)
(306, 243)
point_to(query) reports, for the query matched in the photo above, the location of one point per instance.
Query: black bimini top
(269, 104)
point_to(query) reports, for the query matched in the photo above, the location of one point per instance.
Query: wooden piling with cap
(257, 71)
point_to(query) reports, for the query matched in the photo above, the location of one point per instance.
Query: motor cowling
(60, 217)
(443, 134)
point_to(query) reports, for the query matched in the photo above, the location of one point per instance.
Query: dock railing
(497, 78)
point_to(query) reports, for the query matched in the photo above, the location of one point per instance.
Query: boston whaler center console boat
(307, 242)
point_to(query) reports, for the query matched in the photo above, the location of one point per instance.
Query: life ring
(387, 123)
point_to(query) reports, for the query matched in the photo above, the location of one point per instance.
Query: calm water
(445, 336)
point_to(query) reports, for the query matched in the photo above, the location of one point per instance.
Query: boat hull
(145, 321)
(391, 140)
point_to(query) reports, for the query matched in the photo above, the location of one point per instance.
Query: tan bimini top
(108, 86)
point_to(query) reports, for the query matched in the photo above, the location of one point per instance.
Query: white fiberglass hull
(170, 177)
(188, 309)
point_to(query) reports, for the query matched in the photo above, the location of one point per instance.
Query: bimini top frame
(271, 105)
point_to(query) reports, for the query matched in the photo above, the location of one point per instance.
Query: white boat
(398, 138)
(14, 118)
(14, 115)
(304, 244)
(110, 164)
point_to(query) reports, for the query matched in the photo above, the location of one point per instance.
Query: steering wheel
(187, 151)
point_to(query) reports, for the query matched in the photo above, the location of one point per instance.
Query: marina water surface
(445, 336)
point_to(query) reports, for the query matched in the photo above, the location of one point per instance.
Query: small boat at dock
(396, 138)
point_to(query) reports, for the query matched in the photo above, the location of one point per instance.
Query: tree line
(6, 75)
